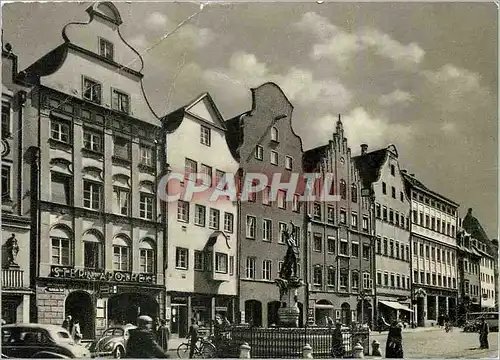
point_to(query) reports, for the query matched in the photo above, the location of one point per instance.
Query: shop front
(97, 299)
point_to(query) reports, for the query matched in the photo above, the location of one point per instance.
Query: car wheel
(118, 353)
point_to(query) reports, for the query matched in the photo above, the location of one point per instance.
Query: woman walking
(394, 345)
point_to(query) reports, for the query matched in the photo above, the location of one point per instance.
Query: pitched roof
(369, 165)
(472, 225)
(234, 134)
(411, 181)
(311, 157)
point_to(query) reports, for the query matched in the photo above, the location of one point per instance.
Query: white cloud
(196, 36)
(395, 97)
(341, 46)
(157, 20)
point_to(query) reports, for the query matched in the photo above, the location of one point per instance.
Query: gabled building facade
(433, 253)
(201, 276)
(17, 285)
(469, 272)
(380, 171)
(263, 141)
(100, 252)
(339, 270)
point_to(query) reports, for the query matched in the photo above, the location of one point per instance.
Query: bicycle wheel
(208, 351)
(183, 351)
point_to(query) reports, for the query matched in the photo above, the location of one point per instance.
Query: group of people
(73, 327)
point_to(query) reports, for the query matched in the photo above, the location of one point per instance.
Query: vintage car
(39, 341)
(112, 342)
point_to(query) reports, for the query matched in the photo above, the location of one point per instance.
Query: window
(421, 222)
(199, 215)
(427, 221)
(421, 249)
(379, 279)
(120, 101)
(266, 269)
(344, 279)
(60, 187)
(397, 251)
(92, 140)
(288, 162)
(183, 211)
(343, 189)
(221, 263)
(5, 120)
(208, 260)
(386, 279)
(366, 281)
(427, 251)
(415, 216)
(250, 229)
(354, 193)
(231, 265)
(250, 268)
(121, 255)
(384, 214)
(219, 175)
(317, 242)
(331, 277)
(365, 223)
(282, 199)
(343, 247)
(396, 218)
(181, 258)
(91, 252)
(331, 245)
(428, 278)
(331, 214)
(92, 195)
(354, 220)
(386, 252)
(274, 134)
(282, 235)
(92, 90)
(433, 279)
(214, 219)
(343, 216)
(121, 201)
(433, 222)
(146, 155)
(401, 196)
(407, 248)
(274, 158)
(384, 188)
(198, 260)
(317, 275)
(415, 276)
(433, 253)
(228, 222)
(106, 49)
(378, 214)
(146, 258)
(60, 130)
(295, 203)
(60, 251)
(265, 195)
(355, 280)
(317, 211)
(146, 206)
(205, 135)
(122, 148)
(391, 216)
(391, 248)
(207, 171)
(379, 245)
(355, 249)
(366, 251)
(259, 152)
(393, 282)
(267, 230)
(190, 167)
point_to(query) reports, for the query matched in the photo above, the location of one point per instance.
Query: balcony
(12, 278)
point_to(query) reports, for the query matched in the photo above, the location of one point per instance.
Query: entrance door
(420, 312)
(179, 320)
(125, 308)
(79, 305)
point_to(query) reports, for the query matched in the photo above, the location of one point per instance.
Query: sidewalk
(408, 330)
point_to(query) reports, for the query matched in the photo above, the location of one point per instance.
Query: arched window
(274, 134)
(354, 193)
(343, 189)
(147, 256)
(121, 253)
(61, 246)
(92, 250)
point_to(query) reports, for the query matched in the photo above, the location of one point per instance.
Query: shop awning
(395, 305)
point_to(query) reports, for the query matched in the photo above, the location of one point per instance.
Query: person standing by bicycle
(193, 335)
(141, 343)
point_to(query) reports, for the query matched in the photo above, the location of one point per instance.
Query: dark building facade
(339, 245)
(263, 141)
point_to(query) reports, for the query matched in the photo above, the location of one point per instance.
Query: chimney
(364, 149)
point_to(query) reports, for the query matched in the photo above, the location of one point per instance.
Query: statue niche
(12, 249)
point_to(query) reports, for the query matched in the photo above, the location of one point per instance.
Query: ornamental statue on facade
(12, 251)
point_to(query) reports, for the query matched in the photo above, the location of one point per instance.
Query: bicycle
(203, 348)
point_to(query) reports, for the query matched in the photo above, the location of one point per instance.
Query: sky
(420, 76)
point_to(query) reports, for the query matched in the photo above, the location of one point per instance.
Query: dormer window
(274, 134)
(106, 49)
(120, 101)
(91, 90)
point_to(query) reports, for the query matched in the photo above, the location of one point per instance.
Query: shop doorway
(179, 322)
(345, 314)
(253, 312)
(127, 307)
(79, 305)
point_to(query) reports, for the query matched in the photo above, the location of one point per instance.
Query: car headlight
(109, 346)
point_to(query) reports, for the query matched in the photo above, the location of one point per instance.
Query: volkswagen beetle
(112, 342)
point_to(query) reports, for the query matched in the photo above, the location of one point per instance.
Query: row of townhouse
(88, 233)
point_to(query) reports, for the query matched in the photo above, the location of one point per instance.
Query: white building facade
(487, 278)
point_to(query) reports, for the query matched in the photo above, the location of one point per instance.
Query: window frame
(143, 202)
(111, 46)
(94, 85)
(181, 251)
(120, 94)
(91, 199)
(205, 135)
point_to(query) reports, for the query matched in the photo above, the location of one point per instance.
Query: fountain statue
(289, 282)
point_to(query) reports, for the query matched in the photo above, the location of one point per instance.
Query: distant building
(201, 276)
(433, 252)
(469, 272)
(340, 240)
(17, 285)
(380, 171)
(263, 141)
(100, 255)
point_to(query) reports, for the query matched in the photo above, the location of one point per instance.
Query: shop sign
(67, 272)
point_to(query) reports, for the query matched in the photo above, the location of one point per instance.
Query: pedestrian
(484, 330)
(193, 335)
(394, 345)
(163, 334)
(337, 342)
(141, 343)
(67, 324)
(76, 333)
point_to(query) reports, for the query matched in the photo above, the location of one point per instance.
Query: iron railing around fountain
(287, 343)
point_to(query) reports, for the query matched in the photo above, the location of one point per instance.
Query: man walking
(484, 330)
(141, 343)
(163, 334)
(193, 334)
